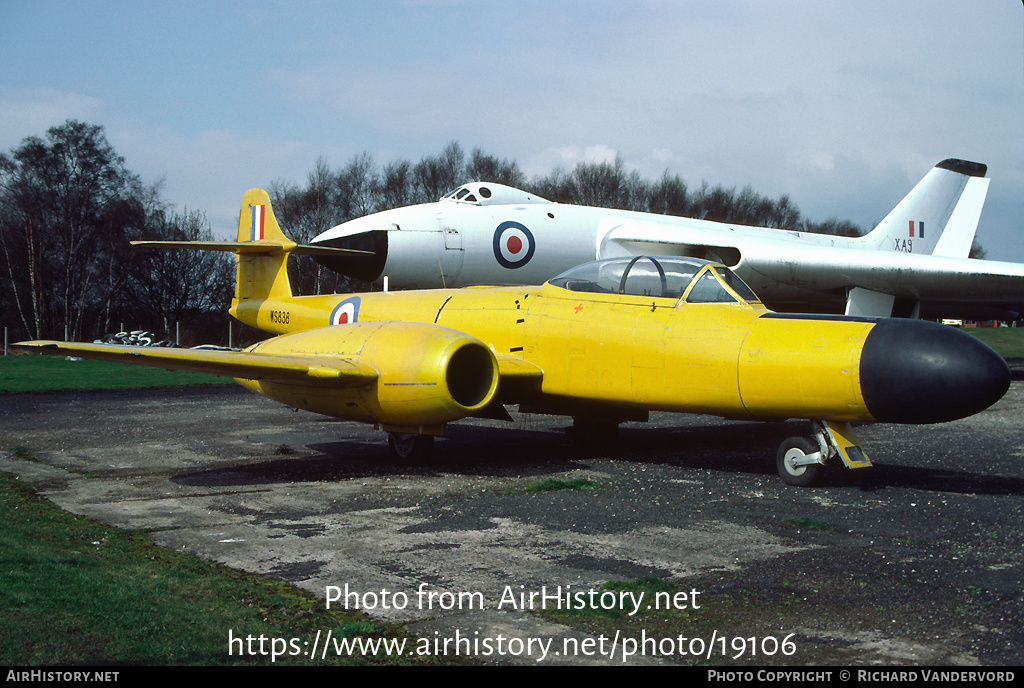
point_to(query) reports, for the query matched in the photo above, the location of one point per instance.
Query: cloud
(30, 112)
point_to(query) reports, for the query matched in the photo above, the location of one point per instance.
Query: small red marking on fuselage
(578, 308)
(515, 244)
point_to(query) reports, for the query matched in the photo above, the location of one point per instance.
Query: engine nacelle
(426, 374)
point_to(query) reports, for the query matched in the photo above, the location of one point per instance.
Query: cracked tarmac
(918, 560)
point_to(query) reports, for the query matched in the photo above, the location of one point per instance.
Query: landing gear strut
(801, 460)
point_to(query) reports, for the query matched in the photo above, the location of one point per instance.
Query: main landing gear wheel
(416, 448)
(790, 462)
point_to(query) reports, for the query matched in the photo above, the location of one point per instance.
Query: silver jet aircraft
(913, 264)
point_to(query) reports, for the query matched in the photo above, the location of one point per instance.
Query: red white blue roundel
(513, 245)
(346, 312)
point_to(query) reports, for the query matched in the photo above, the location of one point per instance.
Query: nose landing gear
(801, 461)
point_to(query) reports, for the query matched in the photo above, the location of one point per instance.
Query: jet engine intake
(408, 375)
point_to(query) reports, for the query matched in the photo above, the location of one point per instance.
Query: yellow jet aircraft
(607, 341)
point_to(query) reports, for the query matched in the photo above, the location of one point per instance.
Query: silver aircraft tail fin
(939, 216)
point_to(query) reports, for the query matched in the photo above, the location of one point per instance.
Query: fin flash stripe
(259, 214)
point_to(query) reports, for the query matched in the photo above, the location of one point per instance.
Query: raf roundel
(513, 245)
(346, 312)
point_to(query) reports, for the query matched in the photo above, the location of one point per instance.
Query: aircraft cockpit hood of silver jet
(487, 193)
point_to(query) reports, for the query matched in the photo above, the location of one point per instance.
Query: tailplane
(262, 250)
(939, 216)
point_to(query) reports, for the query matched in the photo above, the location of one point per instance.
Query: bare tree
(488, 168)
(179, 286)
(435, 176)
(359, 183)
(303, 213)
(558, 186)
(599, 184)
(396, 188)
(668, 197)
(833, 226)
(63, 199)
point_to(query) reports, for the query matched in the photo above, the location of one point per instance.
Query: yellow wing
(331, 371)
(408, 377)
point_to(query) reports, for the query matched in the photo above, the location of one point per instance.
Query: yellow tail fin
(262, 264)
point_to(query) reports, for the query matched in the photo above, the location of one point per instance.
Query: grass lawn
(35, 373)
(1008, 341)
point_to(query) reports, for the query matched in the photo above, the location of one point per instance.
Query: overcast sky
(844, 105)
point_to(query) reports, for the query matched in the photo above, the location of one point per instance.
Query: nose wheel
(798, 462)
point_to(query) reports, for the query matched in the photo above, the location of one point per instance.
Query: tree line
(360, 187)
(69, 208)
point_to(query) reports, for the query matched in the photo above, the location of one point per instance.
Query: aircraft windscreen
(710, 287)
(737, 285)
(460, 194)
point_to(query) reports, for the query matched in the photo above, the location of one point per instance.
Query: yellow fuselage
(625, 354)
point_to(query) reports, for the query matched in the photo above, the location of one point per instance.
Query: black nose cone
(363, 267)
(913, 371)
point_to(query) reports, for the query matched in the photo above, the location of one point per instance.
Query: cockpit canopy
(666, 277)
(487, 193)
